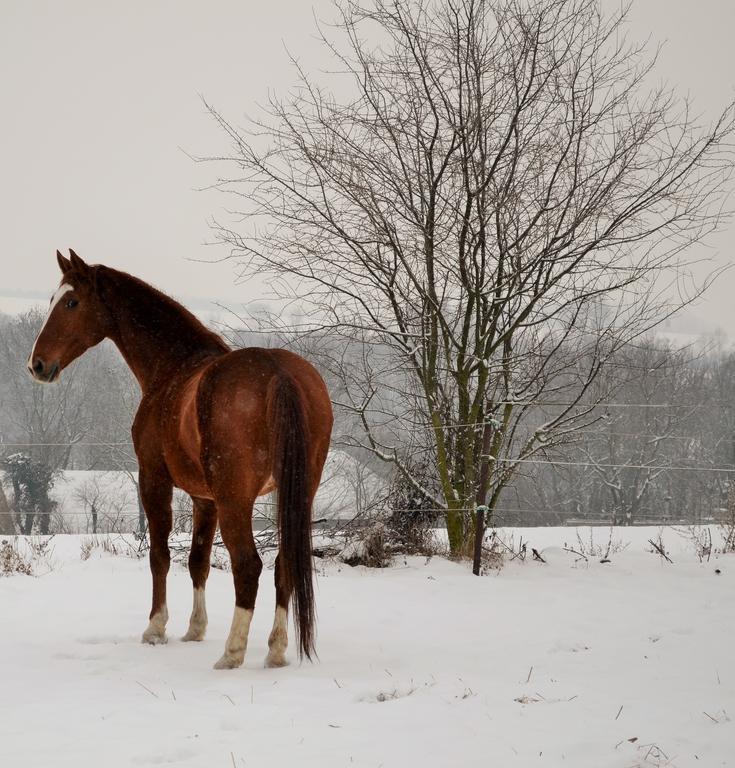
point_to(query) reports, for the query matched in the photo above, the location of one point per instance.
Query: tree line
(81, 422)
(656, 442)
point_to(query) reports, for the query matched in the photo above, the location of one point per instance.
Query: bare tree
(46, 422)
(662, 452)
(107, 499)
(7, 526)
(119, 454)
(489, 198)
(630, 455)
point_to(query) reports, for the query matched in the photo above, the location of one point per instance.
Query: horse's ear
(77, 264)
(64, 263)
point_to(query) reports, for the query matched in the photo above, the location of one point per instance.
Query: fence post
(482, 489)
(479, 536)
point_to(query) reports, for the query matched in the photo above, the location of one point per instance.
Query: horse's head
(77, 320)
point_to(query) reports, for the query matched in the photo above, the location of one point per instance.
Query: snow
(568, 663)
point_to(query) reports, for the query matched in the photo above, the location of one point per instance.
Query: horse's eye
(71, 303)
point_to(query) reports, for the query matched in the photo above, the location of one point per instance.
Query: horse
(225, 426)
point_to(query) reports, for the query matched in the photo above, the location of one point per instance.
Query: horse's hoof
(193, 636)
(229, 662)
(155, 632)
(274, 662)
(153, 639)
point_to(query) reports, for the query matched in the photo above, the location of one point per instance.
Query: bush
(411, 516)
(32, 482)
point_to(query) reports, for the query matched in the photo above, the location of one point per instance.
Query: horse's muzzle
(42, 371)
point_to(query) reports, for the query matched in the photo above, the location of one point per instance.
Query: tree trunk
(455, 527)
(7, 526)
(481, 499)
(141, 512)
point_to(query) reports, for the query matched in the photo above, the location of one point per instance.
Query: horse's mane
(134, 301)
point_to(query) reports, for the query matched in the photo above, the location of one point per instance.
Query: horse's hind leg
(235, 521)
(205, 525)
(278, 639)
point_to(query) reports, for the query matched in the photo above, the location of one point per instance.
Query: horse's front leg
(156, 491)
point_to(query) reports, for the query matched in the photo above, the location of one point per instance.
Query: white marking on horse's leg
(198, 620)
(155, 634)
(61, 290)
(278, 640)
(237, 640)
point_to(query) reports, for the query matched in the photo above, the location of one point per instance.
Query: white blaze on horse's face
(55, 299)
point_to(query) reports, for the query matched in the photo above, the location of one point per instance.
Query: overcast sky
(100, 97)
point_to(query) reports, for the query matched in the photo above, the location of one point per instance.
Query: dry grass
(113, 544)
(24, 554)
(13, 560)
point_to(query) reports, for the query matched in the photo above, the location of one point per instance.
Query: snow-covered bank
(346, 486)
(564, 663)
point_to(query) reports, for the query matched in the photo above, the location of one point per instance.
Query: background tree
(662, 452)
(80, 420)
(7, 524)
(631, 451)
(45, 421)
(495, 196)
(31, 481)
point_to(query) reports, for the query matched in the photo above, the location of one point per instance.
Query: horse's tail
(289, 468)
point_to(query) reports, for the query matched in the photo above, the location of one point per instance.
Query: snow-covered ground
(568, 663)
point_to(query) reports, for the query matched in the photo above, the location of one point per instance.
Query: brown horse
(225, 426)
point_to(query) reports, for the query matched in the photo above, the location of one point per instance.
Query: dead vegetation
(25, 555)
(128, 545)
(589, 549)
(12, 560)
(405, 528)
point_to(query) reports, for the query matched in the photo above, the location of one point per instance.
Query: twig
(574, 552)
(659, 753)
(659, 548)
(529, 673)
(520, 553)
(152, 693)
(619, 711)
